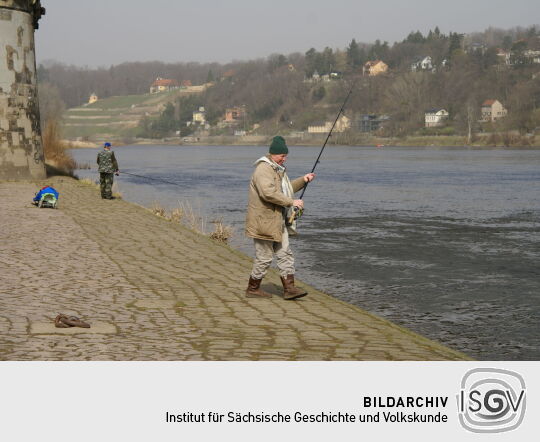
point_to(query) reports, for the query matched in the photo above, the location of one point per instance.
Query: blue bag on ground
(46, 197)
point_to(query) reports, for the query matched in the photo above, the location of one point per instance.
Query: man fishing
(107, 167)
(270, 219)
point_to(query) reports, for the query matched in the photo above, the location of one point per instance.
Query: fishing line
(153, 179)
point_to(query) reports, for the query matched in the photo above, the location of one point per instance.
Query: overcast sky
(105, 32)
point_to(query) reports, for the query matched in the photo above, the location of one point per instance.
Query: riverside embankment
(154, 290)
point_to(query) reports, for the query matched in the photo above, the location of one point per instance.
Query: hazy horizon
(101, 33)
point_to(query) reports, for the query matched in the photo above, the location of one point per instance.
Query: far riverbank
(490, 140)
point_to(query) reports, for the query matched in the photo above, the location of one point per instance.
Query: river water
(444, 241)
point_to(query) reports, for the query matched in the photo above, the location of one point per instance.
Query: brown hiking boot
(289, 290)
(254, 289)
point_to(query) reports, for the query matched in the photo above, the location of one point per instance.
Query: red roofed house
(234, 114)
(492, 110)
(163, 84)
(228, 74)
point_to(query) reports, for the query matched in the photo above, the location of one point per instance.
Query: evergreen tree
(378, 51)
(311, 62)
(415, 37)
(506, 42)
(455, 44)
(328, 61)
(276, 61)
(353, 55)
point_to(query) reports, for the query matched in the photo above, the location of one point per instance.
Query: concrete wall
(21, 153)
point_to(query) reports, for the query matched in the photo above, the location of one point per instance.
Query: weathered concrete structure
(21, 152)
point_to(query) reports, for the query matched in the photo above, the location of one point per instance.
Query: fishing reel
(295, 214)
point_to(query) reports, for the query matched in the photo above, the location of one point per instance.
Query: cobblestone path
(154, 290)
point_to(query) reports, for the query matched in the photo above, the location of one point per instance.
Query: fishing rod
(297, 212)
(317, 161)
(152, 179)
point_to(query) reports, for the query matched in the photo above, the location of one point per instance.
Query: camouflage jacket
(107, 162)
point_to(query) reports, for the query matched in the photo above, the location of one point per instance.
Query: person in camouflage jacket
(107, 168)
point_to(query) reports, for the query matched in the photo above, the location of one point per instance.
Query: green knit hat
(278, 146)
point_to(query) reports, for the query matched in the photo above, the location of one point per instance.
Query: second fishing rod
(298, 212)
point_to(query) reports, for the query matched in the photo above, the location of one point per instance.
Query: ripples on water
(442, 241)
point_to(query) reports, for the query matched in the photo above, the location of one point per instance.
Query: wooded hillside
(281, 94)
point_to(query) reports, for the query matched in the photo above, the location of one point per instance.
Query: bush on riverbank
(509, 139)
(57, 160)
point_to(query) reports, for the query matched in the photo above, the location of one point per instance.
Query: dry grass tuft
(221, 232)
(54, 150)
(116, 191)
(158, 210)
(177, 215)
(89, 182)
(186, 215)
(192, 219)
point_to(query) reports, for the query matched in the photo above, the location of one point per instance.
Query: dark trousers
(105, 184)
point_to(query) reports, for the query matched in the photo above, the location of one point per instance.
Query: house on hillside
(163, 84)
(435, 117)
(228, 75)
(478, 48)
(235, 114)
(504, 56)
(532, 56)
(186, 83)
(93, 98)
(199, 116)
(342, 124)
(320, 127)
(492, 110)
(375, 67)
(422, 64)
(369, 122)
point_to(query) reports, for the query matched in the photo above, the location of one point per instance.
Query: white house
(342, 124)
(435, 117)
(492, 110)
(199, 116)
(532, 56)
(320, 128)
(93, 98)
(422, 64)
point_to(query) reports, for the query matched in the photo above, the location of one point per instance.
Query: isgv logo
(491, 400)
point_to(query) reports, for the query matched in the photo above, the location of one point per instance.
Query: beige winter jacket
(264, 219)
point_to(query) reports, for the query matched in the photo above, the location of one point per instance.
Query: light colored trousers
(264, 254)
